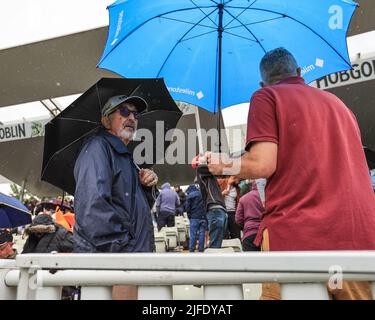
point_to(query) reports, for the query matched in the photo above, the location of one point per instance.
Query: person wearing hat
(111, 197)
(45, 236)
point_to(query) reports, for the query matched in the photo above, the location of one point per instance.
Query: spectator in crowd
(182, 196)
(298, 138)
(31, 205)
(197, 215)
(45, 236)
(113, 197)
(248, 216)
(213, 202)
(231, 193)
(166, 205)
(46, 207)
(6, 245)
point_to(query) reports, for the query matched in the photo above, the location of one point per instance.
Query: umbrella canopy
(13, 213)
(209, 51)
(65, 133)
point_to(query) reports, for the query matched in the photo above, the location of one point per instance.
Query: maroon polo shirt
(320, 197)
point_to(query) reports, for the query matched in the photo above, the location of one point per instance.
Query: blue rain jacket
(112, 212)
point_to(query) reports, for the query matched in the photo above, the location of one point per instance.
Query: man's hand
(148, 177)
(220, 164)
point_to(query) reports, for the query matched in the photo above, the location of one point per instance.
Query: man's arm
(261, 139)
(259, 162)
(148, 179)
(188, 207)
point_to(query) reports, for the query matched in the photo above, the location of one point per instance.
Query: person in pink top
(307, 144)
(248, 216)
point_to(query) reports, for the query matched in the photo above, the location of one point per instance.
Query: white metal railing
(302, 275)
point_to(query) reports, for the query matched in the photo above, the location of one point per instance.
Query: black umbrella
(65, 133)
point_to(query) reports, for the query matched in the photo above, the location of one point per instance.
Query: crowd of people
(226, 209)
(50, 230)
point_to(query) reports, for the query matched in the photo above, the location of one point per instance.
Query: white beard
(125, 134)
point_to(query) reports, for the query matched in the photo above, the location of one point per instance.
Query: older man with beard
(111, 205)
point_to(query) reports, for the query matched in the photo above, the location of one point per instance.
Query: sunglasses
(125, 112)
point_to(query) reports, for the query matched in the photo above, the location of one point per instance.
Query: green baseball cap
(113, 102)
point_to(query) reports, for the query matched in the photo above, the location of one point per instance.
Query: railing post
(24, 284)
(223, 292)
(155, 293)
(304, 291)
(6, 293)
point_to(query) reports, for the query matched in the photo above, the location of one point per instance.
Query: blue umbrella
(209, 51)
(13, 213)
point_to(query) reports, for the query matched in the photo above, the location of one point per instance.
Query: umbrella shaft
(220, 30)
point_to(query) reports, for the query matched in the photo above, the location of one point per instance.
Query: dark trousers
(233, 230)
(248, 245)
(217, 223)
(197, 232)
(165, 219)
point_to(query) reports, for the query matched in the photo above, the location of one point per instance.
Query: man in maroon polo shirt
(307, 144)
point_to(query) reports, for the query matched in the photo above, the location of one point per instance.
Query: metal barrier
(302, 275)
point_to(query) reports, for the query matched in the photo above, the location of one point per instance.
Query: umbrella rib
(145, 22)
(300, 22)
(239, 13)
(257, 40)
(236, 35)
(98, 95)
(203, 12)
(67, 146)
(179, 41)
(199, 35)
(79, 120)
(252, 23)
(187, 22)
(140, 85)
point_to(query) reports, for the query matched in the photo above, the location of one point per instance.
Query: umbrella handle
(137, 166)
(153, 190)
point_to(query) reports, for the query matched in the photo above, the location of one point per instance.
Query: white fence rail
(302, 275)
